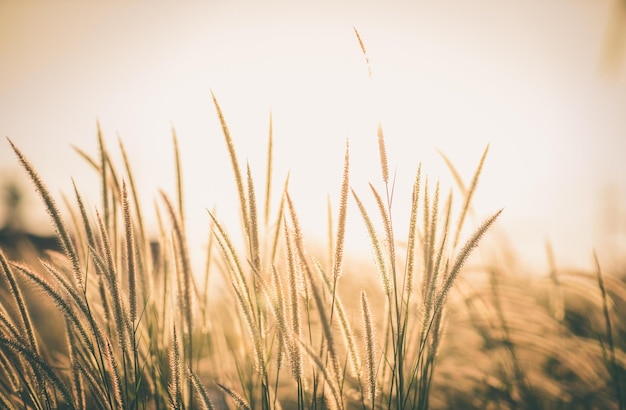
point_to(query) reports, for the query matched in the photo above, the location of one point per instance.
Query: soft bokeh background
(542, 82)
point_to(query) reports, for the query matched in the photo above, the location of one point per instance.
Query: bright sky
(526, 77)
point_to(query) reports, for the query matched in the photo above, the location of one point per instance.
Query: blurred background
(543, 83)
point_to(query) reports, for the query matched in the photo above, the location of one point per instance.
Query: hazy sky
(527, 77)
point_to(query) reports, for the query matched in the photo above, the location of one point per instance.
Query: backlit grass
(129, 324)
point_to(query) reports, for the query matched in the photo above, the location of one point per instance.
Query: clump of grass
(122, 351)
(610, 358)
(141, 331)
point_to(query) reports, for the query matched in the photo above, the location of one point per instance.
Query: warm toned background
(543, 82)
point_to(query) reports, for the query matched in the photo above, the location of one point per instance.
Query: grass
(141, 330)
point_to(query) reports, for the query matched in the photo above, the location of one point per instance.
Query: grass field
(122, 320)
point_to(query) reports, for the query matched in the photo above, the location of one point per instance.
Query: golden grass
(141, 332)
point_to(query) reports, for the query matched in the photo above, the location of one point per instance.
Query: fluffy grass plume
(370, 344)
(54, 213)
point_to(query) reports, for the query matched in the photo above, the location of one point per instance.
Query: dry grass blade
(329, 230)
(77, 382)
(432, 287)
(324, 321)
(68, 310)
(230, 255)
(614, 368)
(8, 327)
(109, 181)
(83, 213)
(351, 345)
(431, 274)
(557, 304)
(5, 403)
(133, 190)
(268, 171)
(448, 213)
(455, 173)
(410, 261)
(235, 165)
(142, 244)
(382, 151)
(39, 364)
(319, 303)
(378, 253)
(26, 322)
(385, 216)
(330, 379)
(368, 335)
(341, 221)
(201, 391)
(103, 174)
(87, 158)
(296, 228)
(12, 379)
(239, 401)
(277, 302)
(367, 61)
(179, 180)
(97, 392)
(207, 270)
(16, 292)
(183, 254)
(432, 237)
(468, 197)
(279, 219)
(253, 331)
(108, 268)
(461, 258)
(74, 227)
(67, 287)
(130, 255)
(53, 211)
(296, 353)
(346, 330)
(253, 222)
(348, 336)
(113, 374)
(426, 240)
(175, 384)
